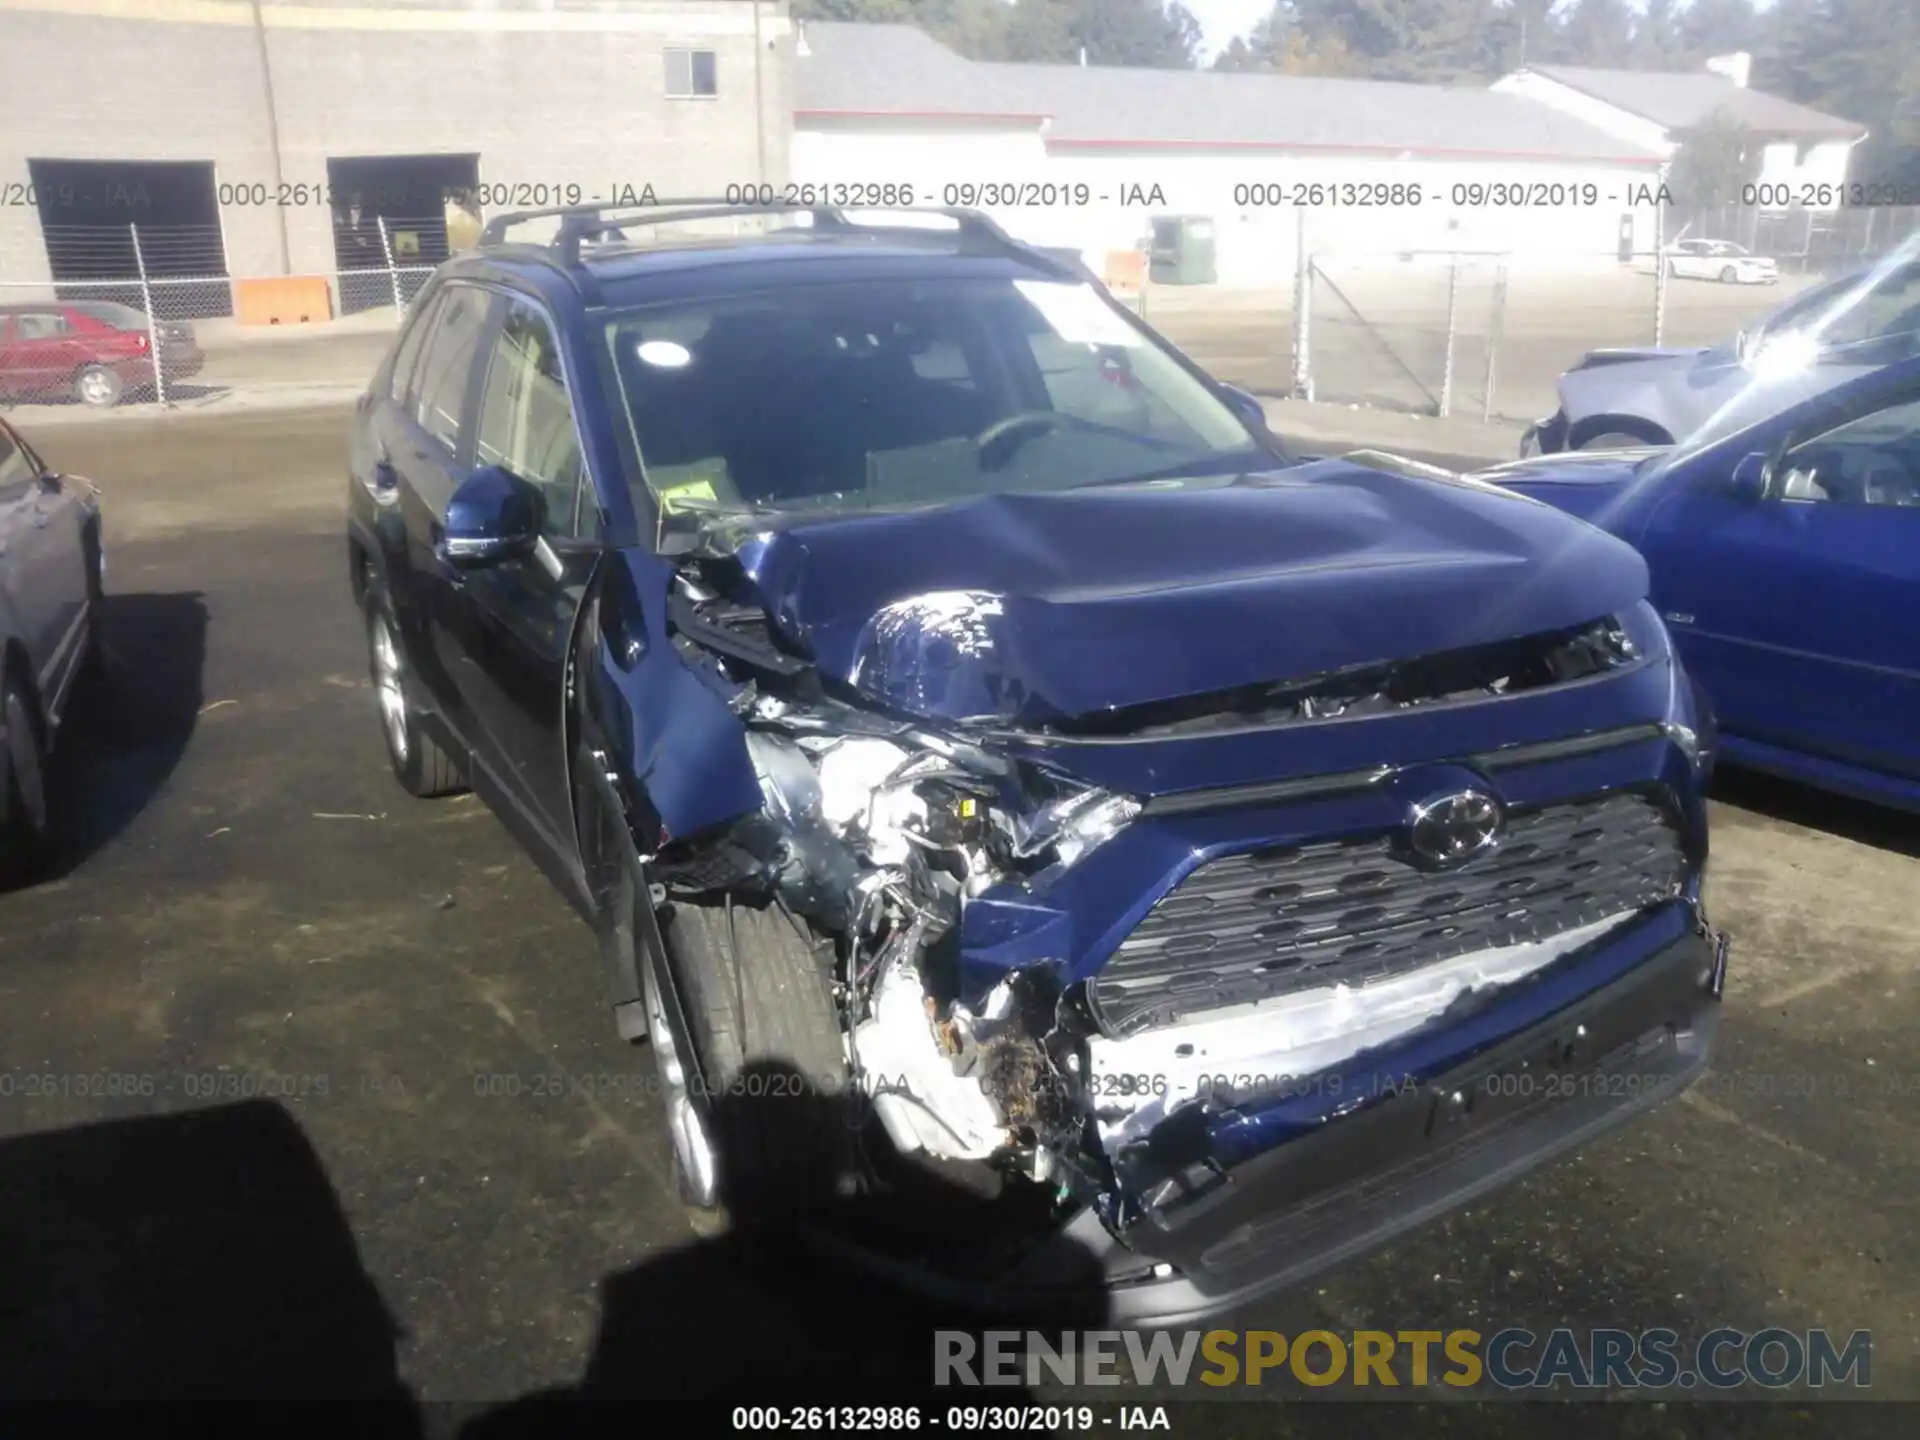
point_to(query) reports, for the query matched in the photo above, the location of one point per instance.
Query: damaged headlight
(960, 810)
(1073, 824)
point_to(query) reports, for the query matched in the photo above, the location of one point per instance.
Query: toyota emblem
(1452, 829)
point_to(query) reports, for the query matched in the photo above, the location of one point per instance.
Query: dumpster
(1183, 250)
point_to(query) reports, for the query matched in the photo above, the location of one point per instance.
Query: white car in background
(1720, 260)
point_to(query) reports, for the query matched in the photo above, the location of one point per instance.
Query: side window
(446, 364)
(526, 416)
(1891, 307)
(1871, 459)
(39, 327)
(399, 382)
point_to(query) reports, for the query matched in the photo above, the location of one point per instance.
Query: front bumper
(1416, 1150)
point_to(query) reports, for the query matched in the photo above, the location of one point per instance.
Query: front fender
(668, 733)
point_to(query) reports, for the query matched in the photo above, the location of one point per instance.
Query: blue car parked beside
(1167, 866)
(1785, 560)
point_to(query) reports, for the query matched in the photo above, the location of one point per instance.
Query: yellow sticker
(672, 495)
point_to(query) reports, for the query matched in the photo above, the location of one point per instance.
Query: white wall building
(1379, 173)
(1804, 153)
(268, 117)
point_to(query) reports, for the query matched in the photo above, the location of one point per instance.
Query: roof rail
(580, 223)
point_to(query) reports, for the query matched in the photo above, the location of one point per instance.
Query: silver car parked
(1831, 333)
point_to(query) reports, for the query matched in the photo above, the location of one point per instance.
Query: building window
(692, 75)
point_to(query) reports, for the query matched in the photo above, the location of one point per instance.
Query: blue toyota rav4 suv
(934, 687)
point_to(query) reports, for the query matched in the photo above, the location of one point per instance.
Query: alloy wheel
(390, 684)
(692, 1145)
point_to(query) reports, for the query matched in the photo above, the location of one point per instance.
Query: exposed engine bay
(879, 832)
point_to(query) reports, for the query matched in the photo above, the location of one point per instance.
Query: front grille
(1253, 926)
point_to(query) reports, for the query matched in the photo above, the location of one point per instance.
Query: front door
(428, 443)
(1795, 611)
(510, 638)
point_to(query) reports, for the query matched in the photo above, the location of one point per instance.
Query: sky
(1221, 20)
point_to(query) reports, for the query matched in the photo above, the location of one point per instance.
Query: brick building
(271, 138)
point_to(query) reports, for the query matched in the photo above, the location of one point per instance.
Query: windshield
(1853, 307)
(904, 393)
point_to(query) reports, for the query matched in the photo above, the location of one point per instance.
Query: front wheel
(1729, 276)
(773, 1139)
(418, 761)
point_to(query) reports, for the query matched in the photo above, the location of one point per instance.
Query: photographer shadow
(768, 1313)
(170, 1260)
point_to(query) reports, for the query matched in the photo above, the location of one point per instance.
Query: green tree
(1657, 43)
(1715, 160)
(1599, 33)
(1716, 27)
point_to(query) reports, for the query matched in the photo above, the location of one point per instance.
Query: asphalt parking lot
(426, 1165)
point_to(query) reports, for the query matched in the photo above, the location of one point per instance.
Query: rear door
(509, 640)
(1795, 612)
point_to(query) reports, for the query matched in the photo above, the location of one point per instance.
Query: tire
(418, 762)
(1729, 275)
(25, 821)
(1614, 440)
(769, 1054)
(98, 386)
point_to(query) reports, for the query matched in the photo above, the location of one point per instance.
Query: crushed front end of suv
(1207, 864)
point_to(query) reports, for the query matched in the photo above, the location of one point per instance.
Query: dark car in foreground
(51, 570)
(1785, 559)
(93, 351)
(1192, 865)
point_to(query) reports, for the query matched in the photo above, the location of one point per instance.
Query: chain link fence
(1487, 335)
(1805, 242)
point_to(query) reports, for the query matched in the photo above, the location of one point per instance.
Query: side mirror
(1750, 477)
(1247, 406)
(493, 516)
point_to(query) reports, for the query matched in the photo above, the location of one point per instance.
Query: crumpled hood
(1026, 608)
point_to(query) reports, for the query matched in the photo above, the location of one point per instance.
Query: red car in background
(92, 350)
